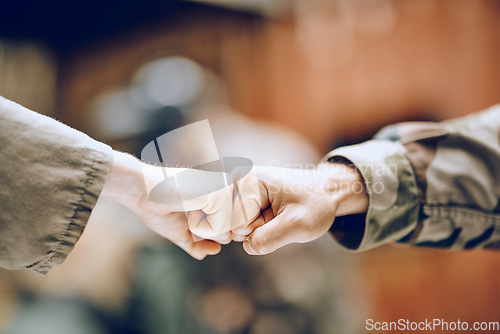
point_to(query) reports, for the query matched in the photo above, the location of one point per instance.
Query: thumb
(284, 229)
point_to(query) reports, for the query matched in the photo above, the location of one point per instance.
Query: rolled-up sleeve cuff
(84, 194)
(393, 195)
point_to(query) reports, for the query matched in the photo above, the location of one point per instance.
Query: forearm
(125, 183)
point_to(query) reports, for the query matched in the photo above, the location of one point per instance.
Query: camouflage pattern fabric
(430, 184)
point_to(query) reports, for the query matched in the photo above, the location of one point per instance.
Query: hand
(126, 184)
(210, 199)
(298, 206)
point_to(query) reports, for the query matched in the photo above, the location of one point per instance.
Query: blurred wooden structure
(337, 72)
(332, 71)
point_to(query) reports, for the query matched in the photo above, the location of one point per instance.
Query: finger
(246, 230)
(174, 228)
(196, 238)
(224, 238)
(246, 208)
(200, 227)
(214, 218)
(219, 214)
(195, 218)
(284, 229)
(266, 216)
(238, 237)
(247, 199)
(199, 250)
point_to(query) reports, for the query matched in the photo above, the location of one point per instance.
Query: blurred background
(281, 82)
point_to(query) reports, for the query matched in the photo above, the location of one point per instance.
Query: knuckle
(297, 221)
(306, 226)
(258, 245)
(301, 223)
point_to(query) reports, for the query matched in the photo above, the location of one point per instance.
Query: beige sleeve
(50, 178)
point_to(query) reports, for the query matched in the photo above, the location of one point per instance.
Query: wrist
(346, 188)
(124, 183)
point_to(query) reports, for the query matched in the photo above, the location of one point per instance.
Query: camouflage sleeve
(429, 184)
